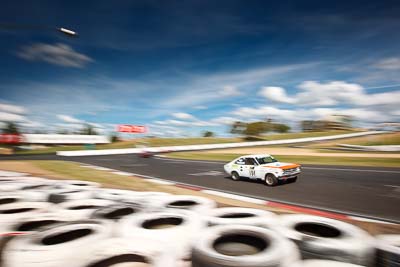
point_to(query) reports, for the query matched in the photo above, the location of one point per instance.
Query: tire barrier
(24, 185)
(82, 209)
(186, 202)
(77, 184)
(388, 250)
(124, 252)
(243, 245)
(324, 238)
(116, 212)
(178, 228)
(116, 194)
(13, 212)
(29, 225)
(323, 263)
(244, 216)
(64, 195)
(9, 198)
(30, 206)
(64, 244)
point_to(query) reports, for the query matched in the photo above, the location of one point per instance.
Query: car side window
(240, 161)
(250, 161)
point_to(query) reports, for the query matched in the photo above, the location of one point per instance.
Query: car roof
(256, 155)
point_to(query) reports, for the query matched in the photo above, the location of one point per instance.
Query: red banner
(10, 138)
(124, 128)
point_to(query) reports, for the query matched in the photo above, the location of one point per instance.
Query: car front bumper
(289, 176)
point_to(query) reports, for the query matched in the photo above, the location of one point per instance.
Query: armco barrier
(211, 146)
(391, 148)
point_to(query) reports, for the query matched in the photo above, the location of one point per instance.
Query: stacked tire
(50, 224)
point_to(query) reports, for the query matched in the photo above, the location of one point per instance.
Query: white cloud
(57, 54)
(206, 89)
(184, 123)
(69, 119)
(200, 107)
(32, 124)
(333, 93)
(12, 109)
(276, 94)
(183, 116)
(328, 94)
(229, 91)
(265, 112)
(11, 117)
(389, 64)
(224, 120)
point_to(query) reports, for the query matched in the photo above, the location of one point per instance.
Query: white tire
(178, 228)
(116, 212)
(323, 263)
(324, 238)
(116, 194)
(39, 221)
(66, 244)
(8, 198)
(11, 174)
(124, 252)
(388, 250)
(14, 212)
(22, 195)
(77, 184)
(70, 194)
(197, 204)
(23, 184)
(243, 245)
(82, 209)
(243, 216)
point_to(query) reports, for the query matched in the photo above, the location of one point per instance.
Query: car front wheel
(270, 180)
(235, 176)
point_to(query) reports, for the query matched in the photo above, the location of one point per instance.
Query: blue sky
(182, 67)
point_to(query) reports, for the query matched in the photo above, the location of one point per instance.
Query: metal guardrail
(211, 146)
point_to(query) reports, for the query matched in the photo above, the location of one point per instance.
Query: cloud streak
(57, 54)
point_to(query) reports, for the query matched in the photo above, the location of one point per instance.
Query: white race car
(262, 167)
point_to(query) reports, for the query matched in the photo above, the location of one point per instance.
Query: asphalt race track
(371, 192)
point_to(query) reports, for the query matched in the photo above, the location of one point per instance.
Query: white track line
(237, 197)
(350, 170)
(123, 173)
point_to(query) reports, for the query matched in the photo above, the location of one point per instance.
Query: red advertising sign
(124, 128)
(10, 138)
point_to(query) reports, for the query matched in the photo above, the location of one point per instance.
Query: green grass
(155, 142)
(346, 161)
(387, 139)
(281, 136)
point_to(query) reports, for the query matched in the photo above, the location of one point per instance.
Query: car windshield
(265, 160)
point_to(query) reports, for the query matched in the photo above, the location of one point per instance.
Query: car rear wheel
(235, 176)
(271, 180)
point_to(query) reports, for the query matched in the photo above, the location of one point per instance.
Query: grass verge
(345, 161)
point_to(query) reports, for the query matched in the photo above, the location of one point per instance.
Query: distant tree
(255, 128)
(238, 127)
(62, 131)
(11, 128)
(208, 134)
(89, 130)
(113, 138)
(281, 128)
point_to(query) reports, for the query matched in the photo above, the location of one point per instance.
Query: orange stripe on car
(284, 167)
